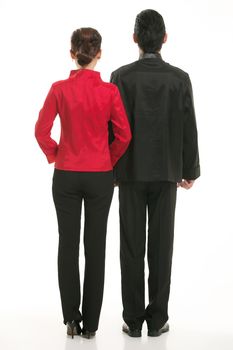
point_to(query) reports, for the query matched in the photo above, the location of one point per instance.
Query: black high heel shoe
(88, 335)
(73, 328)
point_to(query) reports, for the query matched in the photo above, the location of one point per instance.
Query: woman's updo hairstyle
(85, 44)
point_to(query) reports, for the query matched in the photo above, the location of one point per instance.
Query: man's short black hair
(150, 31)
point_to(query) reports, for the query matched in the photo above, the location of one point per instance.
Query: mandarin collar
(150, 55)
(88, 72)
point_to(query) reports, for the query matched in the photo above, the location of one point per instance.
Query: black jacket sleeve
(110, 128)
(111, 136)
(191, 166)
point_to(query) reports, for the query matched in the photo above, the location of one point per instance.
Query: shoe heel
(88, 335)
(70, 330)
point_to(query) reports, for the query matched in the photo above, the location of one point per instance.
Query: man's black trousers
(159, 200)
(69, 189)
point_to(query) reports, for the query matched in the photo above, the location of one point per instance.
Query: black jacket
(159, 103)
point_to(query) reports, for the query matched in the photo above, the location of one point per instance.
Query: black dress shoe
(155, 333)
(88, 335)
(73, 328)
(136, 333)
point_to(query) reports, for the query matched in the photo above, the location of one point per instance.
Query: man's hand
(187, 184)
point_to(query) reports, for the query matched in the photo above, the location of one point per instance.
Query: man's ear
(165, 38)
(135, 38)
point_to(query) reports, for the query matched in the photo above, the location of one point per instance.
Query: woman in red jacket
(83, 170)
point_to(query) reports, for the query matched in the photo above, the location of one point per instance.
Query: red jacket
(85, 105)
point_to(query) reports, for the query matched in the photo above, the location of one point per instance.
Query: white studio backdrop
(35, 43)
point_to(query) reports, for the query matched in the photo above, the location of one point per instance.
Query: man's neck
(143, 54)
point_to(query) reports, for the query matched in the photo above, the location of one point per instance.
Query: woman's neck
(90, 66)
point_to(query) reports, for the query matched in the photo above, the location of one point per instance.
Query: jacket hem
(82, 170)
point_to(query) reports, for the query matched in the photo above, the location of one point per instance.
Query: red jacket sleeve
(121, 128)
(44, 125)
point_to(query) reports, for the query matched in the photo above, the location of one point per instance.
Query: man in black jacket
(162, 156)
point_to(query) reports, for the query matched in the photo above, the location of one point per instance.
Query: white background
(35, 39)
